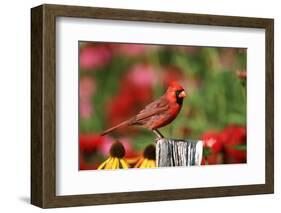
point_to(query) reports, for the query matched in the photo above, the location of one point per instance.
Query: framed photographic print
(136, 106)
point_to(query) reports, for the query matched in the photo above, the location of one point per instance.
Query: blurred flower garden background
(117, 80)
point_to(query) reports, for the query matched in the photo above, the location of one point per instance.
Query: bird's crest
(175, 85)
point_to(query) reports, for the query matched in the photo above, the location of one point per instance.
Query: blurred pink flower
(92, 57)
(132, 49)
(142, 75)
(87, 89)
(86, 109)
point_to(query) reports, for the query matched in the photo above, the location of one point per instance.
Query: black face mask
(179, 99)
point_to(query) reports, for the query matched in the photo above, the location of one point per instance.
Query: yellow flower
(116, 159)
(148, 158)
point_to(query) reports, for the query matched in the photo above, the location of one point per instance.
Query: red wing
(158, 106)
(161, 102)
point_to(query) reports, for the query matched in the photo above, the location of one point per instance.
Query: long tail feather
(125, 123)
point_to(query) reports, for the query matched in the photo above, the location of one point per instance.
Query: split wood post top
(178, 152)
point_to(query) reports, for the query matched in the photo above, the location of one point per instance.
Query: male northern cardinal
(159, 113)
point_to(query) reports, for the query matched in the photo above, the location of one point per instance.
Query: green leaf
(242, 147)
(207, 152)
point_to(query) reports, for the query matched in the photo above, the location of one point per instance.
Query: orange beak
(182, 94)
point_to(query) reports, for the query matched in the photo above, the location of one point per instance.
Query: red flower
(83, 165)
(234, 139)
(212, 141)
(212, 148)
(120, 108)
(88, 147)
(134, 93)
(89, 142)
(213, 159)
(203, 161)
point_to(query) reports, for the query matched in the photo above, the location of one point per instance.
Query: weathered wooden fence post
(178, 152)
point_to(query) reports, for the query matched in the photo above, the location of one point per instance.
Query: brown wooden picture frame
(43, 105)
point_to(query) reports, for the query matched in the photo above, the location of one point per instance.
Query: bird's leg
(158, 134)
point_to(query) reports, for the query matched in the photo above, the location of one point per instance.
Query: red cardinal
(159, 113)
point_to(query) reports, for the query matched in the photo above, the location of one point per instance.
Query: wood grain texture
(43, 110)
(178, 152)
(36, 107)
(43, 105)
(269, 105)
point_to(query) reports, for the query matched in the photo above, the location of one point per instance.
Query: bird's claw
(157, 139)
(158, 134)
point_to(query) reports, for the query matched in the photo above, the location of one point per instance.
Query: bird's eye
(178, 92)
